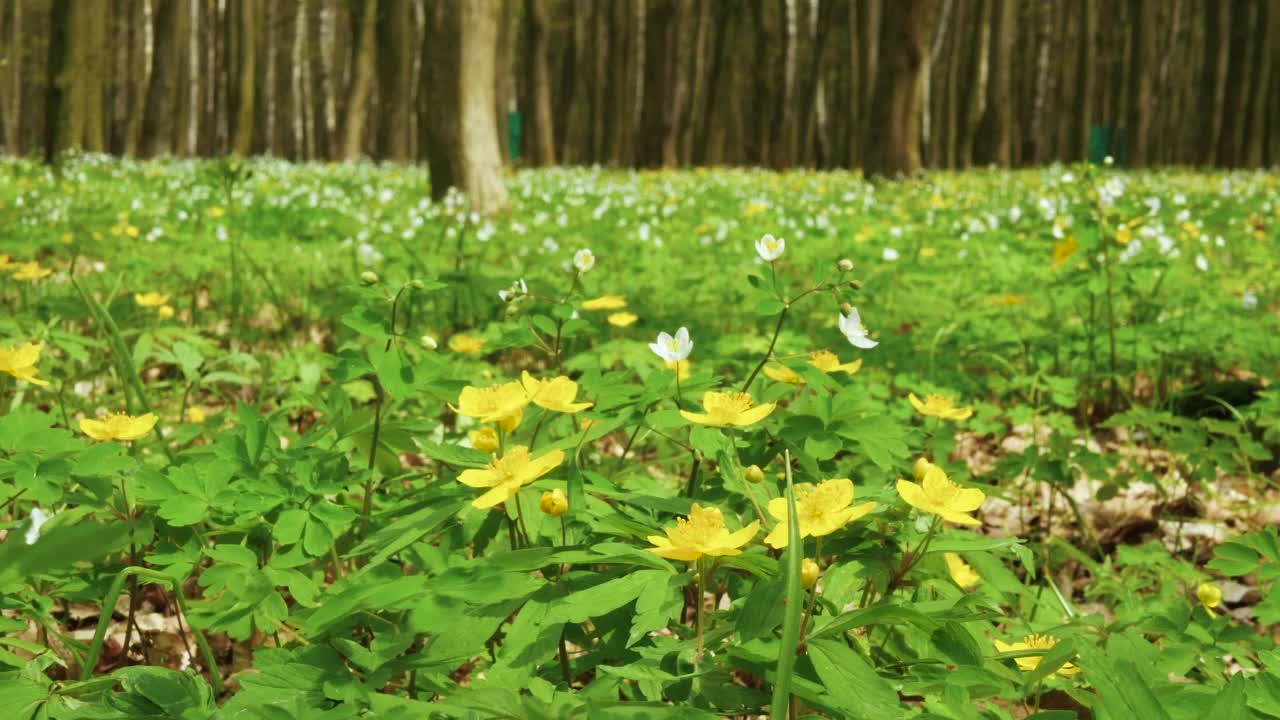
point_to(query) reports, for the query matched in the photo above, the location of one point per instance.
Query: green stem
(777, 328)
(791, 607)
(104, 622)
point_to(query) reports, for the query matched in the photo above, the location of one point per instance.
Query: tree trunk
(395, 79)
(993, 138)
(541, 125)
(892, 142)
(1140, 96)
(246, 73)
(364, 17)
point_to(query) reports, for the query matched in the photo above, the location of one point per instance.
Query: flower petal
(754, 415)
(913, 495)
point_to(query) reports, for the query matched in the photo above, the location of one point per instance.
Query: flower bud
(922, 466)
(416, 284)
(808, 573)
(855, 284)
(846, 308)
(554, 503)
(754, 474)
(369, 277)
(485, 439)
(511, 422)
(845, 265)
(428, 343)
(165, 312)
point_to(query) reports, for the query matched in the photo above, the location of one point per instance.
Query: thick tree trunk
(892, 142)
(540, 128)
(993, 138)
(1140, 75)
(364, 17)
(246, 74)
(395, 79)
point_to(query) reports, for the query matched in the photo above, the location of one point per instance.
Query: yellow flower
(119, 427)
(937, 494)
(1035, 642)
(728, 409)
(511, 422)
(961, 572)
(1124, 235)
(493, 403)
(485, 439)
(150, 299)
(622, 319)
(1210, 597)
(809, 571)
(165, 312)
(1009, 299)
(31, 271)
(1063, 250)
(195, 415)
(554, 503)
(468, 344)
(783, 374)
(828, 362)
(6, 263)
(504, 476)
(20, 362)
(939, 407)
(928, 252)
(702, 533)
(683, 368)
(605, 302)
(921, 467)
(215, 212)
(821, 509)
(556, 394)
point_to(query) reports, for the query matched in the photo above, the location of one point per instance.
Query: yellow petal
(913, 494)
(500, 493)
(478, 478)
(779, 537)
(754, 415)
(699, 418)
(95, 429)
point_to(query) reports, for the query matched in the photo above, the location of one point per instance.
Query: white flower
(1249, 299)
(1202, 262)
(770, 248)
(853, 329)
(673, 349)
(584, 260)
(890, 254)
(38, 519)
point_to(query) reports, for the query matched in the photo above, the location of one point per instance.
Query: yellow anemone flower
(468, 344)
(728, 409)
(493, 403)
(20, 362)
(962, 573)
(31, 271)
(783, 374)
(1035, 642)
(119, 427)
(150, 299)
(6, 263)
(556, 394)
(196, 415)
(1062, 251)
(605, 302)
(828, 362)
(683, 368)
(702, 533)
(939, 406)
(504, 476)
(1210, 597)
(554, 503)
(166, 312)
(1009, 299)
(937, 494)
(623, 319)
(485, 439)
(809, 572)
(821, 509)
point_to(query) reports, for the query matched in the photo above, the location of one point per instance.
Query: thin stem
(367, 508)
(698, 612)
(782, 316)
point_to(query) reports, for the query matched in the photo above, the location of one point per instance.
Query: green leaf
(58, 548)
(851, 683)
(1234, 559)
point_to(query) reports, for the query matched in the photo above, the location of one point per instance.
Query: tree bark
(395, 79)
(892, 141)
(246, 74)
(993, 137)
(364, 16)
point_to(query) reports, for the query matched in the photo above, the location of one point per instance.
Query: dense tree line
(888, 85)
